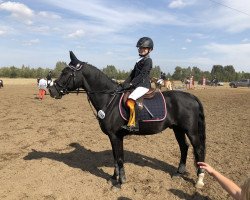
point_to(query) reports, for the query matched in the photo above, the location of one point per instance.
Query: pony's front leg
(116, 172)
(119, 173)
(117, 148)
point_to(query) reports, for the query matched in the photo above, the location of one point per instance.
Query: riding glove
(127, 86)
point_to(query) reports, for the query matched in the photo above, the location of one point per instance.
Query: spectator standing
(49, 78)
(191, 82)
(204, 82)
(42, 85)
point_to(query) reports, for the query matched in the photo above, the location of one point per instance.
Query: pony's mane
(98, 73)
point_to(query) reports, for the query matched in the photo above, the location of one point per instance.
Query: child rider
(139, 79)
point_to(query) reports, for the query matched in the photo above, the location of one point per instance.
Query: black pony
(185, 114)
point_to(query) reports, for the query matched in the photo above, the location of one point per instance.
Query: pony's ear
(73, 57)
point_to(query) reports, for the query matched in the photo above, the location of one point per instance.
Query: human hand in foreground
(207, 167)
(227, 184)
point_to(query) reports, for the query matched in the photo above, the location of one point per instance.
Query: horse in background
(214, 82)
(1, 83)
(168, 84)
(159, 83)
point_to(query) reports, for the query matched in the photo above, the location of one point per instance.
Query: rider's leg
(131, 104)
(136, 94)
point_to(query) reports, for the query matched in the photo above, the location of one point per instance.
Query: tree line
(225, 74)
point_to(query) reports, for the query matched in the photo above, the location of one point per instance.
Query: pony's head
(69, 79)
(80, 74)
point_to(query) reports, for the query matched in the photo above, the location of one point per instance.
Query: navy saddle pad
(156, 106)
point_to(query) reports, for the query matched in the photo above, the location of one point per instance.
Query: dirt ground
(54, 149)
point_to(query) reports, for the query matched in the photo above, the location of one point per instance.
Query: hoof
(199, 184)
(181, 169)
(176, 175)
(112, 180)
(116, 188)
(123, 180)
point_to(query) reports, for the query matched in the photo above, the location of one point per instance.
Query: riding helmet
(145, 42)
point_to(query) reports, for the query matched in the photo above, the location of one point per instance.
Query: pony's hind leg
(183, 145)
(199, 153)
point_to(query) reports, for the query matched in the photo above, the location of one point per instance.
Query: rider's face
(143, 51)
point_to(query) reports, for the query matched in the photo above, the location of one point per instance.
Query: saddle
(152, 106)
(149, 95)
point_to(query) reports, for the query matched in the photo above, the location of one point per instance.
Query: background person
(161, 79)
(49, 78)
(42, 85)
(204, 82)
(191, 82)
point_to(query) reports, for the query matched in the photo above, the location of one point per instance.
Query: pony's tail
(202, 130)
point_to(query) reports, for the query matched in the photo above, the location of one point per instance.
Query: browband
(77, 67)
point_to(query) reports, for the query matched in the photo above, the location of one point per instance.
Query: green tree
(155, 72)
(39, 72)
(217, 71)
(13, 72)
(25, 72)
(58, 68)
(197, 73)
(207, 75)
(5, 72)
(110, 71)
(246, 75)
(177, 73)
(168, 76)
(229, 73)
(122, 75)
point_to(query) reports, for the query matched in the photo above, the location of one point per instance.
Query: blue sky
(202, 33)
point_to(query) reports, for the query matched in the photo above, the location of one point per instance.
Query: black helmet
(145, 42)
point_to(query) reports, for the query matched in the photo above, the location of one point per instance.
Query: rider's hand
(127, 86)
(119, 88)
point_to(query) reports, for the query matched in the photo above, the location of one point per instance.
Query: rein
(101, 113)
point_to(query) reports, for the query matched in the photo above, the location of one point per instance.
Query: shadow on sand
(92, 162)
(182, 195)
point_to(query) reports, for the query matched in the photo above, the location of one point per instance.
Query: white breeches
(138, 92)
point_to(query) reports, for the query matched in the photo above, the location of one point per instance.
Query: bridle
(64, 87)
